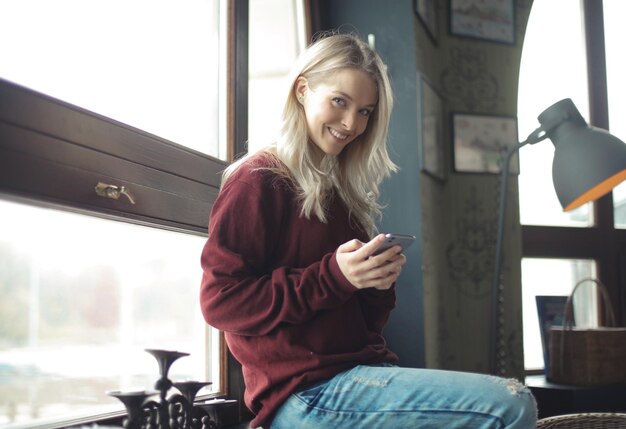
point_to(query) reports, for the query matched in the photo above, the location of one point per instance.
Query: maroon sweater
(271, 282)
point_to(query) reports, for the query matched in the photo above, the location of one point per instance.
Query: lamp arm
(496, 354)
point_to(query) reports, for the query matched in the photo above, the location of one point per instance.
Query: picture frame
(430, 129)
(550, 310)
(480, 142)
(426, 11)
(490, 20)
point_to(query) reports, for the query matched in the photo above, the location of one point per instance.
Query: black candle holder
(133, 402)
(174, 412)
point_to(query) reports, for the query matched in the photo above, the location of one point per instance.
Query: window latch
(113, 191)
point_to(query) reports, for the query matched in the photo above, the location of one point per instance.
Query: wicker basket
(587, 357)
(584, 421)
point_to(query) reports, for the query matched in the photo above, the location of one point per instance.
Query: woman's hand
(366, 271)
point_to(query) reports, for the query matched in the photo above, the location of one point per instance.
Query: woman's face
(337, 109)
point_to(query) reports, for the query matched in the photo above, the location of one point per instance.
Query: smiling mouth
(337, 134)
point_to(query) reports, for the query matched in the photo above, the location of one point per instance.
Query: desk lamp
(588, 163)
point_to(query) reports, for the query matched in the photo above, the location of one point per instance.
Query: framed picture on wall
(492, 20)
(426, 11)
(430, 129)
(480, 142)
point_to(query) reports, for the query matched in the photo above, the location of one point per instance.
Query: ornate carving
(467, 81)
(470, 256)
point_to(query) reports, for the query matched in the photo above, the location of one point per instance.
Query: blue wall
(392, 24)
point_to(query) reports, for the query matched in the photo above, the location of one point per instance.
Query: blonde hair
(356, 173)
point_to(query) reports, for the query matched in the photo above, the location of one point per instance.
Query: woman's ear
(300, 88)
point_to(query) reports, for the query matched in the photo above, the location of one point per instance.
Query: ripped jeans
(390, 397)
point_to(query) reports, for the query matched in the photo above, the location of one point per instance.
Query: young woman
(291, 278)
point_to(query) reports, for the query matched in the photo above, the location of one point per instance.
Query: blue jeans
(390, 397)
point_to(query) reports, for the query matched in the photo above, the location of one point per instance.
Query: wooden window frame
(54, 154)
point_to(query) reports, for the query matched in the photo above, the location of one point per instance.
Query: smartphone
(395, 240)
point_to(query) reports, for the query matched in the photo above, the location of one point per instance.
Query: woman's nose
(349, 121)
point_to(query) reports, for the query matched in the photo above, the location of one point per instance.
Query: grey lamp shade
(588, 162)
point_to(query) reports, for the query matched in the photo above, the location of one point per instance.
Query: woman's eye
(365, 112)
(339, 101)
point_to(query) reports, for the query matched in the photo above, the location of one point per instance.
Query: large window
(126, 97)
(561, 248)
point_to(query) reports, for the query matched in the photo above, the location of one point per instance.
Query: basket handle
(568, 316)
(568, 312)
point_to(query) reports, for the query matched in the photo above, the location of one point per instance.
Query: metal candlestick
(133, 402)
(175, 412)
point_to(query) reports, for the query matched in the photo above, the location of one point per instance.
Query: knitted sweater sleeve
(377, 305)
